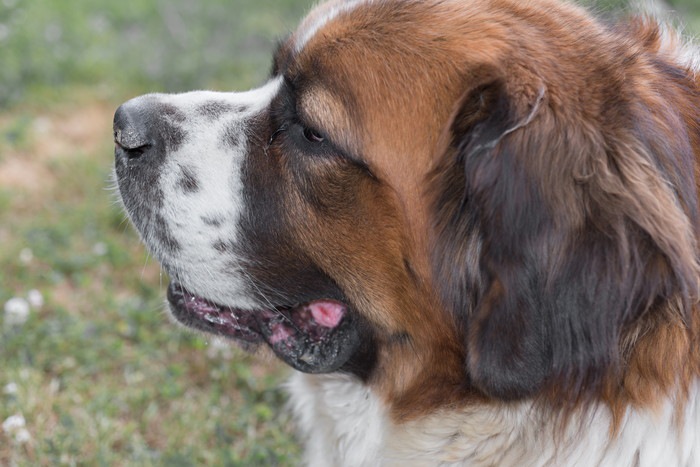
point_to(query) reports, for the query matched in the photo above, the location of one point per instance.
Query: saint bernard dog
(470, 225)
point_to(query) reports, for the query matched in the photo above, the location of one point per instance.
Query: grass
(97, 375)
(137, 45)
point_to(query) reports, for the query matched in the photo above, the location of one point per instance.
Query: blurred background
(91, 370)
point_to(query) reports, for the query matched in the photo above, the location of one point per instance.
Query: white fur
(344, 424)
(307, 31)
(681, 50)
(218, 168)
(684, 53)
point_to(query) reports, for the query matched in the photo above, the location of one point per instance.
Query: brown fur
(573, 83)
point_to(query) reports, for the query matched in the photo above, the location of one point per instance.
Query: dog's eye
(313, 136)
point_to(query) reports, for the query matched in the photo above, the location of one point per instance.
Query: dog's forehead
(367, 65)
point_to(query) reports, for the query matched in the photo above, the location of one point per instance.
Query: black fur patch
(139, 177)
(164, 237)
(167, 125)
(222, 246)
(232, 136)
(214, 110)
(212, 221)
(188, 182)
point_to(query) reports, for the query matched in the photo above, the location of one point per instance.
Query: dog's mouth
(314, 337)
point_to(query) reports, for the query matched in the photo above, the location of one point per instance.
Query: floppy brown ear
(553, 237)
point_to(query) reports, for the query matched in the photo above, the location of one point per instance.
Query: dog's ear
(550, 240)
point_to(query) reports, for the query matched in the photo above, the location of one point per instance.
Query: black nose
(133, 130)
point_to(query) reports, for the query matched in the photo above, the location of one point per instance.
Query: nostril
(132, 153)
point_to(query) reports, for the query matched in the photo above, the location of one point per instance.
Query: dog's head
(444, 198)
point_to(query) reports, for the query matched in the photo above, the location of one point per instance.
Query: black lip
(244, 330)
(308, 348)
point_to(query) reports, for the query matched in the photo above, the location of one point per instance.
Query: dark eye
(313, 136)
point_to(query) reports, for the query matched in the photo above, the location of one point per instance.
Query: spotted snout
(178, 166)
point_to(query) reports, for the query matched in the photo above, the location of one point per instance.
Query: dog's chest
(343, 422)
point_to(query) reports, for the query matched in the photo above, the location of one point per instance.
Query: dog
(470, 226)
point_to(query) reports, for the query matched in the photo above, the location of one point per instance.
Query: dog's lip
(311, 337)
(205, 315)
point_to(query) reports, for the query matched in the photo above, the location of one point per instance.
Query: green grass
(136, 45)
(98, 372)
(102, 376)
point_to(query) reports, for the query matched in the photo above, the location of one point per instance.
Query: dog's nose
(132, 130)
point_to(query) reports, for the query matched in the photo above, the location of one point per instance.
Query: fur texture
(471, 225)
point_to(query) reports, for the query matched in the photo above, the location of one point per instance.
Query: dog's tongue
(326, 314)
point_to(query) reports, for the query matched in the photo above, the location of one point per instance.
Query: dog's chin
(315, 337)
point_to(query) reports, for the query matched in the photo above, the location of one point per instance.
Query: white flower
(35, 299)
(16, 311)
(99, 248)
(26, 255)
(13, 423)
(22, 436)
(16, 426)
(10, 389)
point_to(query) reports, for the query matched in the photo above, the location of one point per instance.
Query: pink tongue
(326, 314)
